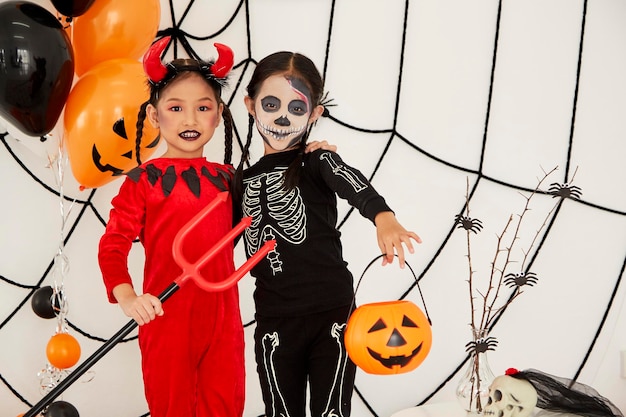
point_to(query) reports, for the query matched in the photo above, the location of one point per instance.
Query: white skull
(510, 397)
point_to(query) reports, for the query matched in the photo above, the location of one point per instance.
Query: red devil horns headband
(156, 70)
(225, 60)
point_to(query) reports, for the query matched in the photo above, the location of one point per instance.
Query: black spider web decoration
(181, 37)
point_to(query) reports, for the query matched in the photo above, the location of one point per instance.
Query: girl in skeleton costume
(193, 349)
(303, 288)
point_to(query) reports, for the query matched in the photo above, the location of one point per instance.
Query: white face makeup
(282, 111)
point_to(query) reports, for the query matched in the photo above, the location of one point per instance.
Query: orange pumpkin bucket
(389, 337)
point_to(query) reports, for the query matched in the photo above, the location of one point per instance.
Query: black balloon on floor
(61, 409)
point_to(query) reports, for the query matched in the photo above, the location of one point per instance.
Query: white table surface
(453, 409)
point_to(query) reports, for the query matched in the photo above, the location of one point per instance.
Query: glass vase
(472, 391)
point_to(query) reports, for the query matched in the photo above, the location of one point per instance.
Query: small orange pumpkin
(390, 337)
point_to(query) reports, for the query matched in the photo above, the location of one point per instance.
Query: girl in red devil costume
(193, 350)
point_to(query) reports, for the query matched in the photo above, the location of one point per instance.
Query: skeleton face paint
(510, 397)
(282, 112)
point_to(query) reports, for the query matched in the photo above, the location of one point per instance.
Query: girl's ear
(249, 102)
(151, 114)
(220, 113)
(316, 113)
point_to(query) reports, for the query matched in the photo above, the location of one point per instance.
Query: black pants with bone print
(291, 351)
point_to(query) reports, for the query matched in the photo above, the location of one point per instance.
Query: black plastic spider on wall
(520, 279)
(481, 345)
(467, 223)
(565, 190)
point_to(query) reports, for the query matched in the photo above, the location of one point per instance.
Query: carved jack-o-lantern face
(117, 154)
(101, 119)
(390, 337)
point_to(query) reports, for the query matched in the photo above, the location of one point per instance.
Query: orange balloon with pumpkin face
(100, 122)
(391, 337)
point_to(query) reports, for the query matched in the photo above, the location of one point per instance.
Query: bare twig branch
(470, 281)
(545, 220)
(490, 297)
(488, 307)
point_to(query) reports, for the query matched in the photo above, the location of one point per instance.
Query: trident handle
(190, 271)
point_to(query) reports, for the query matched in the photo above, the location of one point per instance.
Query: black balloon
(61, 409)
(73, 8)
(36, 67)
(41, 301)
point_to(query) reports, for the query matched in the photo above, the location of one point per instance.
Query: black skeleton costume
(303, 286)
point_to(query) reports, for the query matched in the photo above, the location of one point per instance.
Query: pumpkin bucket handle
(417, 284)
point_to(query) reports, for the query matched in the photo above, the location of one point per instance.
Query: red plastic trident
(191, 270)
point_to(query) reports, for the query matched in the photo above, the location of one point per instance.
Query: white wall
(454, 117)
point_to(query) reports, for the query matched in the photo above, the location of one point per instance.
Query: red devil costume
(193, 355)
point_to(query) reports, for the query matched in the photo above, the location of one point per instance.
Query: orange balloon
(63, 350)
(113, 29)
(100, 122)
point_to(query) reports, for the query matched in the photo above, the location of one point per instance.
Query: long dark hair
(179, 69)
(562, 395)
(293, 65)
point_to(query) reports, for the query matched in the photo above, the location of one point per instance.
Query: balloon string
(61, 263)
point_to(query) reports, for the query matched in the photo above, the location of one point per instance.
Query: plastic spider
(565, 190)
(520, 279)
(467, 223)
(481, 345)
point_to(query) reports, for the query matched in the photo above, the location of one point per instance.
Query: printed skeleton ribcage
(286, 216)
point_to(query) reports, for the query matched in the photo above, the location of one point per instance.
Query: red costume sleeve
(125, 225)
